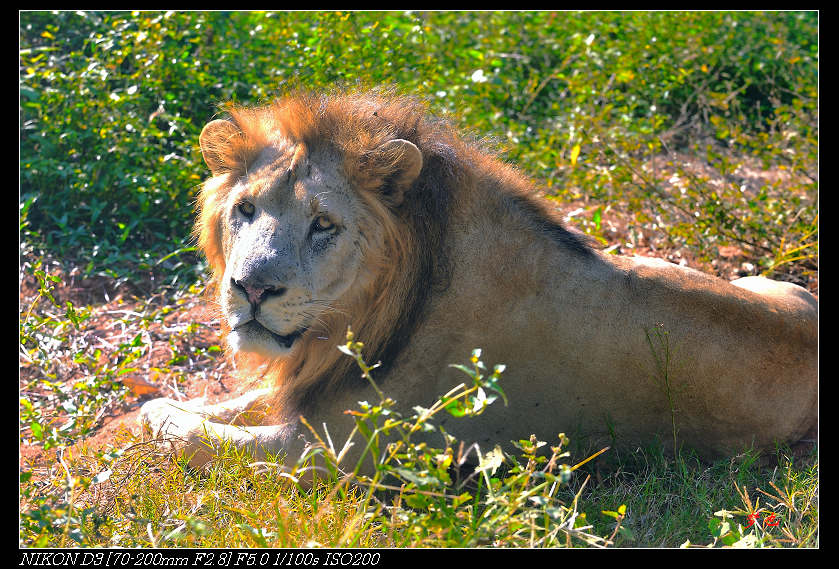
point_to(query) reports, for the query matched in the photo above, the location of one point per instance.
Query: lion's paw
(170, 417)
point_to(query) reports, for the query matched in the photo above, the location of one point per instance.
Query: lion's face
(298, 231)
(292, 247)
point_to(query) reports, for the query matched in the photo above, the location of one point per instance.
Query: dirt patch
(178, 353)
(647, 228)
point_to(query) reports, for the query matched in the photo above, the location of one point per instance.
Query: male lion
(361, 210)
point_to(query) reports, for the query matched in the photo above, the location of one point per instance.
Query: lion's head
(312, 221)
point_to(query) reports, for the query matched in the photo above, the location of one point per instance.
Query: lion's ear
(404, 161)
(216, 142)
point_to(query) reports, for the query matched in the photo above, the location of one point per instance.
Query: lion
(364, 210)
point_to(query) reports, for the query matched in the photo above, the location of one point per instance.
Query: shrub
(112, 104)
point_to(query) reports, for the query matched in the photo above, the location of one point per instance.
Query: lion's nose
(256, 292)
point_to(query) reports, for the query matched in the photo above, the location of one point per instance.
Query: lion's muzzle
(256, 291)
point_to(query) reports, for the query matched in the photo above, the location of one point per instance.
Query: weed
(659, 341)
(432, 509)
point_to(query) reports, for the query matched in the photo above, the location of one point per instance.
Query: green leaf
(468, 371)
(419, 478)
(417, 501)
(539, 501)
(37, 430)
(461, 499)
(455, 407)
(729, 538)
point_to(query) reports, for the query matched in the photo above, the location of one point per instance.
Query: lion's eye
(247, 209)
(322, 223)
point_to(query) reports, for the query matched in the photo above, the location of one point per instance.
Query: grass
(149, 499)
(134, 493)
(675, 502)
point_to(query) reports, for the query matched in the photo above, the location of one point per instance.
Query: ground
(180, 353)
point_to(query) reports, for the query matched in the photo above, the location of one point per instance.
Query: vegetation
(691, 136)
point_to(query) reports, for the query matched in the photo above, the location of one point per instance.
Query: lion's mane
(410, 260)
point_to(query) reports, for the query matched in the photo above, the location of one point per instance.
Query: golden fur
(355, 125)
(452, 251)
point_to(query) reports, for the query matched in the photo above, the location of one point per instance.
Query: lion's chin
(255, 338)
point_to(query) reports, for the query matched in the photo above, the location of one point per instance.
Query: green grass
(691, 136)
(674, 501)
(152, 500)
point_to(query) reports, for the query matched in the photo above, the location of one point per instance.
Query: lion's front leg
(246, 409)
(198, 430)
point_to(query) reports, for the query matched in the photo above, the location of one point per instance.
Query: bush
(112, 105)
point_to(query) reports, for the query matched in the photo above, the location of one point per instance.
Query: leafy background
(112, 104)
(691, 136)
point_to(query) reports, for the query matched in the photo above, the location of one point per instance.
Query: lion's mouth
(252, 327)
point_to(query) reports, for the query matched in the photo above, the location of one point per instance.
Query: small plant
(429, 506)
(659, 341)
(785, 520)
(81, 391)
(755, 534)
(58, 517)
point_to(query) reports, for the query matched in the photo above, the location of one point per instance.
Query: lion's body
(427, 265)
